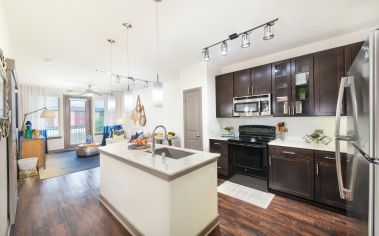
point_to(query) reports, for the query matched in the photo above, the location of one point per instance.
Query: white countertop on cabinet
(299, 143)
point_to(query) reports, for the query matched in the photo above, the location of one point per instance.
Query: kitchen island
(160, 195)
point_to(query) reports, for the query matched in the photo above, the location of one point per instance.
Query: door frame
(67, 118)
(201, 115)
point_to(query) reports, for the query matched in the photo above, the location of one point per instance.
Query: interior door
(78, 120)
(193, 119)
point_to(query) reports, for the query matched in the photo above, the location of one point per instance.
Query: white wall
(5, 45)
(169, 115)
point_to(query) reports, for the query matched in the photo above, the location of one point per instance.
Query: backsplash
(297, 126)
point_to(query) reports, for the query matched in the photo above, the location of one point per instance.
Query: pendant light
(111, 98)
(157, 86)
(206, 54)
(245, 40)
(128, 95)
(224, 48)
(268, 31)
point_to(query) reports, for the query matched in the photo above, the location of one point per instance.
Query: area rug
(63, 163)
(246, 194)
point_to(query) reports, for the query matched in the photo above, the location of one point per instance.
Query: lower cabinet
(221, 147)
(326, 183)
(309, 174)
(291, 171)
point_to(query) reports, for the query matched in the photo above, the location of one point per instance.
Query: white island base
(148, 200)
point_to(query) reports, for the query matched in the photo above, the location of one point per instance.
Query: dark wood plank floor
(69, 205)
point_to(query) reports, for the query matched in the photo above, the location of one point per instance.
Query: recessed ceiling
(61, 43)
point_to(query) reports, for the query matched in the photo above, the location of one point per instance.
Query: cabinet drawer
(215, 145)
(329, 157)
(221, 147)
(292, 152)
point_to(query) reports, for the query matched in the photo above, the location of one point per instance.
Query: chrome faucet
(153, 141)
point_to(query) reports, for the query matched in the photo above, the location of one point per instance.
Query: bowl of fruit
(139, 143)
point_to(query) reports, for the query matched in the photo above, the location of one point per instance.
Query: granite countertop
(166, 168)
(299, 143)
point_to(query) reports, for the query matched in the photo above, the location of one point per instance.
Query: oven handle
(249, 145)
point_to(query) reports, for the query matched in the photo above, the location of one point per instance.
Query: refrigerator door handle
(346, 82)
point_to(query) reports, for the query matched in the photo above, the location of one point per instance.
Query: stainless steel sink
(172, 153)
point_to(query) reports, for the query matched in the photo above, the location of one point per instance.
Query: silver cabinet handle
(316, 168)
(269, 160)
(330, 158)
(291, 153)
(248, 90)
(218, 167)
(217, 143)
(346, 82)
(252, 90)
(293, 110)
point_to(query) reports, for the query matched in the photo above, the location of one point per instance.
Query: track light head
(268, 32)
(206, 54)
(224, 48)
(245, 40)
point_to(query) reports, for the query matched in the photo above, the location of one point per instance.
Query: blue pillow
(89, 139)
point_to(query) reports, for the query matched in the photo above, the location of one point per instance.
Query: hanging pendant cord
(111, 64)
(157, 35)
(127, 53)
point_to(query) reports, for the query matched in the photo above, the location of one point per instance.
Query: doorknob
(198, 135)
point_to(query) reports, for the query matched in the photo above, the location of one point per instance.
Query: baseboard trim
(123, 220)
(210, 227)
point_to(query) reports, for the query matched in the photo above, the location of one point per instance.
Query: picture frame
(4, 109)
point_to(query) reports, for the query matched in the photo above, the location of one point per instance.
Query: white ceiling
(73, 33)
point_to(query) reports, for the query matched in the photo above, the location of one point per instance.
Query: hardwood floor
(69, 205)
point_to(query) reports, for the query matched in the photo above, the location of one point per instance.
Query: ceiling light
(224, 48)
(206, 54)
(128, 100)
(158, 94)
(111, 98)
(111, 103)
(268, 31)
(245, 42)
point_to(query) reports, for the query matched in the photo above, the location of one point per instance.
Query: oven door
(247, 107)
(250, 159)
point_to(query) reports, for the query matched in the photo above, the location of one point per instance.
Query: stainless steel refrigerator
(358, 180)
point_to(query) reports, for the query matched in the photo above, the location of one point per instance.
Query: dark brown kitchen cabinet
(326, 184)
(260, 80)
(302, 102)
(329, 68)
(351, 51)
(242, 83)
(291, 171)
(221, 147)
(281, 88)
(224, 95)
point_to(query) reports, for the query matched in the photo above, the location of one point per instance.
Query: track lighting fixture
(224, 48)
(268, 33)
(245, 42)
(206, 54)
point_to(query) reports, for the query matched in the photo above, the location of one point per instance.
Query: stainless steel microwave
(256, 105)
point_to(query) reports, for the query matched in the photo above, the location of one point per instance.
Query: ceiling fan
(89, 92)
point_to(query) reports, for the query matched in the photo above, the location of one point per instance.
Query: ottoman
(86, 150)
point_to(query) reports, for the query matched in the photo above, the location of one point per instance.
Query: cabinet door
(281, 88)
(242, 83)
(326, 183)
(224, 95)
(291, 171)
(329, 68)
(221, 147)
(302, 86)
(261, 80)
(351, 51)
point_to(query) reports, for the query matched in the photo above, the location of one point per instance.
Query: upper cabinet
(242, 83)
(281, 88)
(329, 68)
(260, 80)
(224, 95)
(302, 86)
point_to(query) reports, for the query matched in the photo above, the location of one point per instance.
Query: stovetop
(255, 134)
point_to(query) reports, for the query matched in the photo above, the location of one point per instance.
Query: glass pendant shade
(128, 101)
(268, 32)
(245, 43)
(111, 103)
(158, 94)
(206, 55)
(224, 49)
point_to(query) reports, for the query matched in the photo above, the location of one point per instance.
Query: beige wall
(5, 45)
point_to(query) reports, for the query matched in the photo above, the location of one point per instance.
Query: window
(99, 116)
(52, 124)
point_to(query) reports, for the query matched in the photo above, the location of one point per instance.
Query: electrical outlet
(320, 131)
